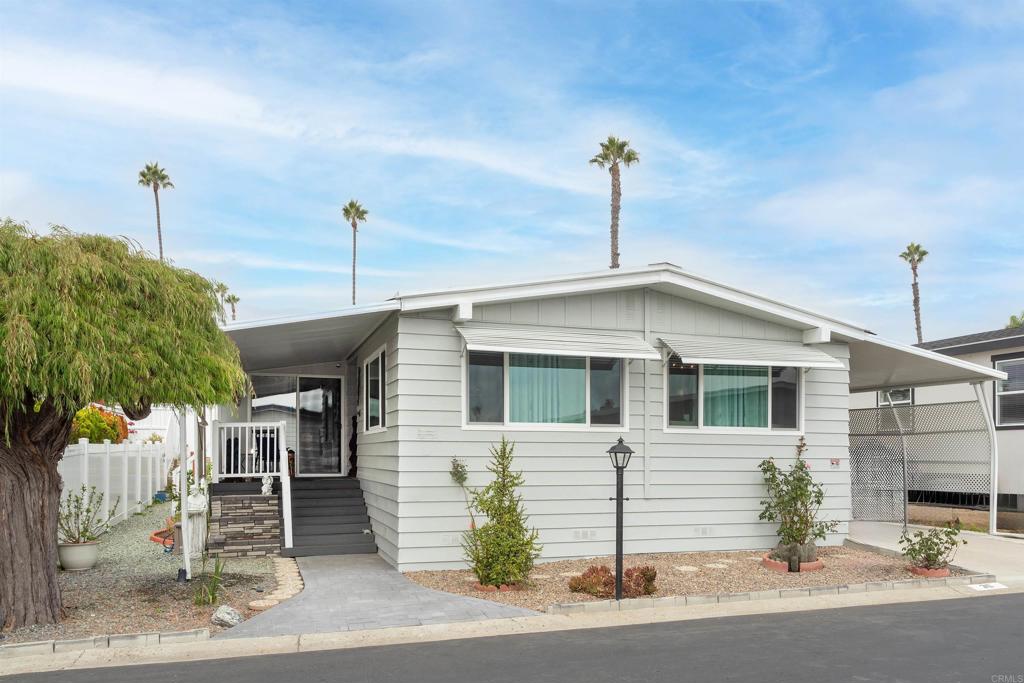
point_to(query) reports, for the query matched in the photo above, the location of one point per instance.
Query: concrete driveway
(356, 592)
(984, 553)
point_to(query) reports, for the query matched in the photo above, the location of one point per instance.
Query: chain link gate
(947, 450)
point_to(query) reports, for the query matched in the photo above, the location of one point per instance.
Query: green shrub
(932, 549)
(78, 519)
(95, 424)
(639, 581)
(208, 590)
(793, 500)
(502, 549)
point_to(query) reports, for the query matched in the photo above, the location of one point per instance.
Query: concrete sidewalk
(359, 592)
(219, 648)
(983, 553)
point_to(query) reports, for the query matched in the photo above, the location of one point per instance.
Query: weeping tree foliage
(86, 318)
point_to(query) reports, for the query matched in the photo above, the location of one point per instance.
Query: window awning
(556, 341)
(692, 348)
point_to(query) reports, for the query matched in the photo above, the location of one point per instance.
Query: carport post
(993, 502)
(903, 445)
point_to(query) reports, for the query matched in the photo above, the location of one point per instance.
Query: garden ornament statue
(268, 483)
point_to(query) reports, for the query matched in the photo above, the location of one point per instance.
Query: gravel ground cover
(680, 574)
(132, 589)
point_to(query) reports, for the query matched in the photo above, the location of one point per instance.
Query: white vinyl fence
(131, 472)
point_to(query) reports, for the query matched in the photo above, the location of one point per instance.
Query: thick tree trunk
(159, 233)
(616, 205)
(353, 263)
(30, 490)
(917, 308)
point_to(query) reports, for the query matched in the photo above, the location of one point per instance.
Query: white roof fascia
(624, 279)
(312, 317)
(556, 341)
(704, 350)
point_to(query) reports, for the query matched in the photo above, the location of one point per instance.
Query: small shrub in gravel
(593, 581)
(599, 581)
(932, 549)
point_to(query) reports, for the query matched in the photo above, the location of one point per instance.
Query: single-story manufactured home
(702, 380)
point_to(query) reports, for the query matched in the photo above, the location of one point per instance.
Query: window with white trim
(536, 389)
(374, 407)
(1009, 397)
(731, 396)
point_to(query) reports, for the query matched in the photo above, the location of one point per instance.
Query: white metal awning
(556, 341)
(692, 348)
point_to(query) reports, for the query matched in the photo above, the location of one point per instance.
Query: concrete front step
(369, 548)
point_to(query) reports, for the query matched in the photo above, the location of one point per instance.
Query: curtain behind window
(548, 389)
(735, 396)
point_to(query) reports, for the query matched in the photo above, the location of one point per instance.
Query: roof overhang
(304, 340)
(877, 363)
(698, 349)
(556, 341)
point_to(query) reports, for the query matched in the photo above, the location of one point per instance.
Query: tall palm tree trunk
(233, 311)
(917, 307)
(616, 205)
(159, 233)
(353, 263)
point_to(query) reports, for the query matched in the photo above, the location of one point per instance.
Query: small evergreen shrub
(96, 424)
(501, 550)
(793, 500)
(639, 581)
(932, 549)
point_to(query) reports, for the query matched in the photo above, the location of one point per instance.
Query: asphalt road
(974, 640)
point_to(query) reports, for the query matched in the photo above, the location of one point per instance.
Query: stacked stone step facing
(329, 517)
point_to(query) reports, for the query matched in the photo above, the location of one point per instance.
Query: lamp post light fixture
(619, 454)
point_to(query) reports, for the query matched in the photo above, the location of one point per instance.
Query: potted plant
(793, 500)
(930, 552)
(78, 527)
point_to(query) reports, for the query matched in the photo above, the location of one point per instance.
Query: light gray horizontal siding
(705, 489)
(378, 456)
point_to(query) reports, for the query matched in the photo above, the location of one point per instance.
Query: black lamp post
(619, 455)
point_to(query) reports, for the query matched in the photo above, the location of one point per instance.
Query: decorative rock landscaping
(289, 584)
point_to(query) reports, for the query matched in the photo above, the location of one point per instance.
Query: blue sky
(792, 148)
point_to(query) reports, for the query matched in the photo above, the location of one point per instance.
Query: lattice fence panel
(947, 449)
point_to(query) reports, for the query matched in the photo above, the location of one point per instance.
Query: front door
(310, 407)
(320, 432)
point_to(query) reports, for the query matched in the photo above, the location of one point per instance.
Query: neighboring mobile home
(1002, 350)
(701, 379)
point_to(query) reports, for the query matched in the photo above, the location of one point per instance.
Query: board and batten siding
(704, 489)
(377, 452)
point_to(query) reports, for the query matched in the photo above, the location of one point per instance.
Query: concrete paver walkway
(357, 592)
(983, 553)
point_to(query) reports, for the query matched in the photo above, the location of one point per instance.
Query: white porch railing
(244, 450)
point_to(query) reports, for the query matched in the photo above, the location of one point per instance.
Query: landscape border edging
(112, 640)
(777, 594)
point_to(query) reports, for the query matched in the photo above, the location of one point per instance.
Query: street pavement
(979, 639)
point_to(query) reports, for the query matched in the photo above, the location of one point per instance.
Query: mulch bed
(737, 572)
(132, 589)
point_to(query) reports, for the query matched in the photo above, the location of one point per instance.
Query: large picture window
(1010, 393)
(536, 389)
(374, 408)
(731, 396)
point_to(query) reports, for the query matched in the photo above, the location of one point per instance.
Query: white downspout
(647, 412)
(186, 536)
(993, 512)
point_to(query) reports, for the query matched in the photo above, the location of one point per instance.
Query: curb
(49, 647)
(782, 593)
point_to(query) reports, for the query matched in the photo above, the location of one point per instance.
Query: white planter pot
(77, 557)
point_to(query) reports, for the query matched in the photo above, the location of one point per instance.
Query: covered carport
(898, 448)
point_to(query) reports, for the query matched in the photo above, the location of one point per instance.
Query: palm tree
(232, 300)
(613, 153)
(154, 176)
(914, 255)
(354, 213)
(1016, 321)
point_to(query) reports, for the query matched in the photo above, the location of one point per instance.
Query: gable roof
(978, 341)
